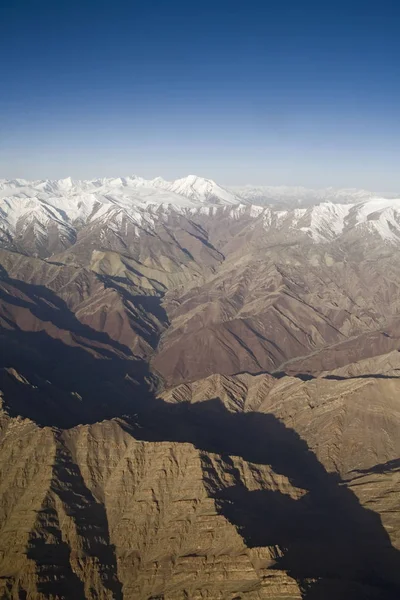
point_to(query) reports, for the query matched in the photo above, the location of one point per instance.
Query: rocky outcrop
(98, 514)
(208, 492)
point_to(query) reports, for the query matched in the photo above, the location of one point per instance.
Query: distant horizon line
(191, 175)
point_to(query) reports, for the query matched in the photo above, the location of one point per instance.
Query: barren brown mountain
(199, 398)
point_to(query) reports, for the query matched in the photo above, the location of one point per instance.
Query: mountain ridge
(199, 396)
(46, 217)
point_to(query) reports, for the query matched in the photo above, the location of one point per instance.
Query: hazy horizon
(222, 184)
(303, 94)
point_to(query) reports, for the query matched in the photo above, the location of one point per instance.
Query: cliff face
(206, 493)
(95, 513)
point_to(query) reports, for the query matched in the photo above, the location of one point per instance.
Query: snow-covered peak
(325, 221)
(68, 205)
(188, 191)
(199, 189)
(65, 184)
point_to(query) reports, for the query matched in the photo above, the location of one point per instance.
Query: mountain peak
(65, 183)
(201, 189)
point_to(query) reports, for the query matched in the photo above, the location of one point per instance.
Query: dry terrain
(200, 398)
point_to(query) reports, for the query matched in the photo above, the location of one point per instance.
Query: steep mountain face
(199, 395)
(276, 303)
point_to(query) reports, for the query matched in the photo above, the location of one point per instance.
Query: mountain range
(199, 391)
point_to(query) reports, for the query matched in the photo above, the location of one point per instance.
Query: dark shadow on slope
(149, 328)
(152, 304)
(53, 569)
(206, 243)
(67, 385)
(388, 467)
(309, 376)
(330, 541)
(89, 518)
(328, 536)
(277, 374)
(48, 307)
(89, 378)
(51, 555)
(302, 376)
(367, 376)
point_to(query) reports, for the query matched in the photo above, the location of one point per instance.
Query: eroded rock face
(101, 514)
(208, 493)
(199, 403)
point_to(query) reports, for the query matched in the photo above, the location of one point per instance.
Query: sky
(267, 92)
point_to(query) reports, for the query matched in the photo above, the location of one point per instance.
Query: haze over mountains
(200, 391)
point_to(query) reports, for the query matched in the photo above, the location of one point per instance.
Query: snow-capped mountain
(198, 189)
(32, 212)
(46, 216)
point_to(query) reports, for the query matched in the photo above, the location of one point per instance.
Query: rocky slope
(199, 397)
(246, 486)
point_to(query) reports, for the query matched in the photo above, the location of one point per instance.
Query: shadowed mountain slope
(200, 398)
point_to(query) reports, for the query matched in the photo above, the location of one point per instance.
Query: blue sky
(286, 92)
